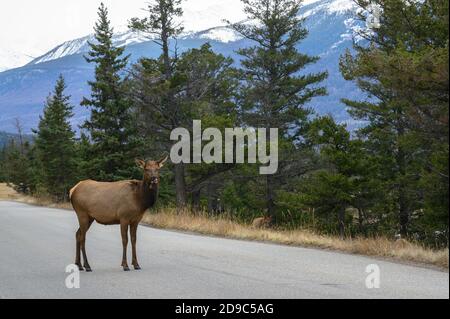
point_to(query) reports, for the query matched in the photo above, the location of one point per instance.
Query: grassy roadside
(224, 227)
(9, 194)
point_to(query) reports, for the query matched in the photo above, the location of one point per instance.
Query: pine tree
(55, 144)
(111, 126)
(274, 92)
(346, 178)
(3, 154)
(202, 86)
(205, 83)
(16, 166)
(161, 27)
(404, 70)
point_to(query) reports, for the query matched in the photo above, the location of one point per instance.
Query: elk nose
(154, 180)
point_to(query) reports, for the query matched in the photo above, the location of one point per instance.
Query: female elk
(121, 203)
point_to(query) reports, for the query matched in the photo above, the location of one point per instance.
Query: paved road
(36, 245)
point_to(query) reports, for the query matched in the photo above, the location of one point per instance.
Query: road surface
(36, 245)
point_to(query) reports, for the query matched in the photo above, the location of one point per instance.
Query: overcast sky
(34, 27)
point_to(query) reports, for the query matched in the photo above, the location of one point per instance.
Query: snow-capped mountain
(11, 59)
(124, 37)
(81, 46)
(331, 26)
(129, 38)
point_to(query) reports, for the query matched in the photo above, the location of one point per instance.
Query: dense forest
(388, 178)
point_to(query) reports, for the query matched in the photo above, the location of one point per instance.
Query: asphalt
(37, 244)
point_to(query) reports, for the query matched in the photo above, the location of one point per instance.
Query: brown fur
(401, 244)
(121, 203)
(262, 222)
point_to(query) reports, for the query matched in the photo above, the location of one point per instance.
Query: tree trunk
(341, 217)
(270, 183)
(180, 186)
(402, 197)
(196, 201)
(213, 202)
(270, 197)
(361, 221)
(165, 25)
(167, 62)
(180, 181)
(403, 214)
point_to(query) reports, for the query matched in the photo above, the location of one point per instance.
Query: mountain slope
(23, 90)
(11, 59)
(6, 138)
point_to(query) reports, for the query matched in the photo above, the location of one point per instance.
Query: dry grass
(223, 227)
(9, 194)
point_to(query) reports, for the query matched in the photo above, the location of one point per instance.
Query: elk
(120, 203)
(262, 222)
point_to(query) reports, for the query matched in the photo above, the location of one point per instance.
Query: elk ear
(140, 163)
(163, 161)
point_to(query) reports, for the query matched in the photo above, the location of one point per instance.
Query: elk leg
(77, 255)
(133, 232)
(124, 232)
(84, 230)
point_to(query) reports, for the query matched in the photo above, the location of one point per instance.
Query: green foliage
(160, 21)
(389, 176)
(55, 145)
(201, 86)
(404, 70)
(273, 90)
(15, 165)
(161, 26)
(112, 130)
(341, 185)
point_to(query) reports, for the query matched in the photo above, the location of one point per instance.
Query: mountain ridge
(23, 90)
(217, 33)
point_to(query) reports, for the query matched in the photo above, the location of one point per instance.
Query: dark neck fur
(149, 194)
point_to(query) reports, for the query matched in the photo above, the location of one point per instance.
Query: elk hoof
(80, 268)
(137, 267)
(88, 269)
(126, 268)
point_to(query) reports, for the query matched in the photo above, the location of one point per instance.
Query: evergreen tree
(16, 166)
(274, 92)
(404, 70)
(205, 83)
(161, 27)
(3, 153)
(55, 144)
(202, 86)
(113, 134)
(345, 180)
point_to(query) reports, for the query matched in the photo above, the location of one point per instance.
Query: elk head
(268, 220)
(151, 170)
